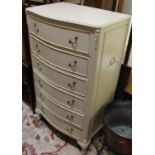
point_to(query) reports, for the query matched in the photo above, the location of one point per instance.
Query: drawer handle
(71, 103)
(38, 51)
(70, 130)
(38, 64)
(73, 66)
(40, 84)
(36, 46)
(40, 96)
(73, 43)
(42, 109)
(112, 61)
(72, 86)
(39, 68)
(36, 29)
(35, 25)
(70, 118)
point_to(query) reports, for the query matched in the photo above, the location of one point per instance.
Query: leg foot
(84, 151)
(83, 146)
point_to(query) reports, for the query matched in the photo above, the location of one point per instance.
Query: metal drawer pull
(36, 29)
(71, 103)
(73, 43)
(70, 130)
(42, 109)
(72, 86)
(38, 64)
(36, 46)
(35, 25)
(70, 118)
(39, 68)
(73, 67)
(40, 84)
(38, 51)
(112, 61)
(40, 96)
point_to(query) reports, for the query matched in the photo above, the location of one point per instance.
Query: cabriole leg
(83, 146)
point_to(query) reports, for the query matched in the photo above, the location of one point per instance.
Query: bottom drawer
(62, 113)
(59, 124)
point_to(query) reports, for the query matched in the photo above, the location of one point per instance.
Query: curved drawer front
(60, 36)
(61, 97)
(58, 78)
(60, 124)
(60, 112)
(60, 59)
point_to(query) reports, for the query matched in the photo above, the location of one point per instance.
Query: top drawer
(74, 40)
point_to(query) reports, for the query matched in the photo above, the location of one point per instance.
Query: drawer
(67, 38)
(67, 100)
(61, 112)
(58, 78)
(60, 124)
(59, 58)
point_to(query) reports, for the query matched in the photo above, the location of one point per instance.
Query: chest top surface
(78, 14)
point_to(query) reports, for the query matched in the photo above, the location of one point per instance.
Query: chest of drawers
(76, 53)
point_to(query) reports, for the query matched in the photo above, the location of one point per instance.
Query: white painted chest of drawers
(76, 54)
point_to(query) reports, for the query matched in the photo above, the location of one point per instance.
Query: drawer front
(60, 59)
(61, 97)
(64, 37)
(61, 80)
(60, 124)
(64, 114)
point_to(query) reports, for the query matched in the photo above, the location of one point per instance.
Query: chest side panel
(113, 47)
